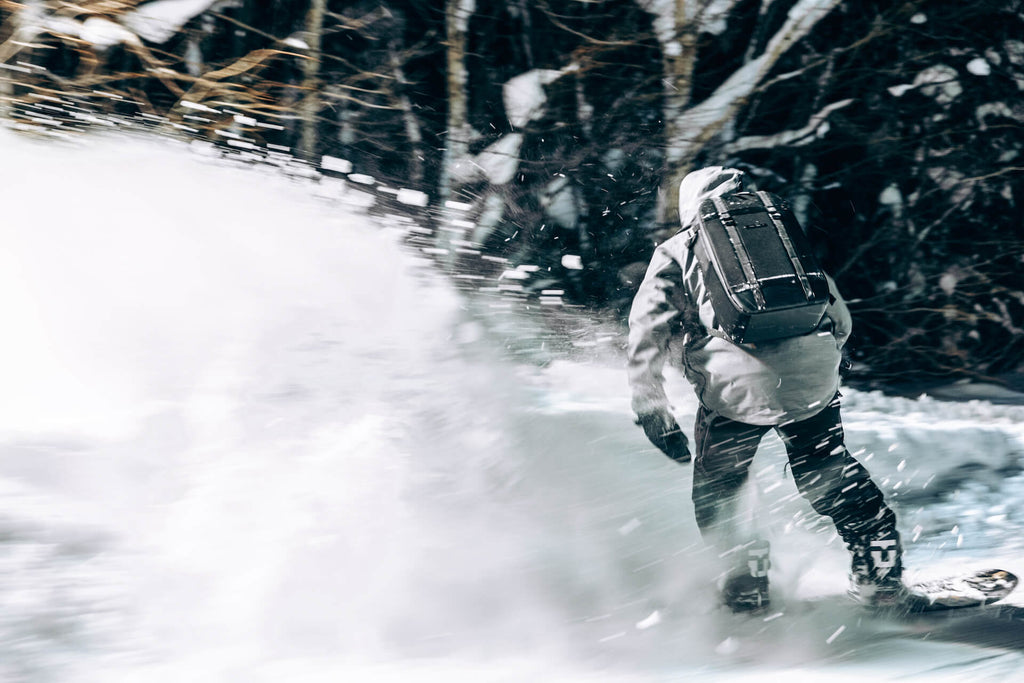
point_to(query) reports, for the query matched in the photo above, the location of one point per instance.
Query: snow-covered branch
(690, 128)
(706, 118)
(158, 22)
(791, 138)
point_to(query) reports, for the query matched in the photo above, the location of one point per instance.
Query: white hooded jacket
(768, 383)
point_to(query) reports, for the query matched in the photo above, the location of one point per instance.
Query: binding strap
(776, 215)
(741, 251)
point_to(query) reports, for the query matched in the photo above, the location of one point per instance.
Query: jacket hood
(705, 183)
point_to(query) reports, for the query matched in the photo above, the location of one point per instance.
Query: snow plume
(258, 437)
(152, 322)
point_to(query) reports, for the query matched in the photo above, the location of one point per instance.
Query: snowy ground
(245, 437)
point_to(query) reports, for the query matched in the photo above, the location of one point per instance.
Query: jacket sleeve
(839, 314)
(653, 318)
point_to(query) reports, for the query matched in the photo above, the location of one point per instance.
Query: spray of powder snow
(271, 437)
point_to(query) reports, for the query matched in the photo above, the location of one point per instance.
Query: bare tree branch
(791, 138)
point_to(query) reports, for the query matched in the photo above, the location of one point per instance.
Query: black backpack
(759, 270)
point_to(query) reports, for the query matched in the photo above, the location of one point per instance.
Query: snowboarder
(745, 390)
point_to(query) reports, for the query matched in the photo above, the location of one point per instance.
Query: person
(745, 390)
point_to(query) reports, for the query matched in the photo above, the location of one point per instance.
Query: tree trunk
(679, 57)
(456, 149)
(457, 15)
(310, 106)
(413, 130)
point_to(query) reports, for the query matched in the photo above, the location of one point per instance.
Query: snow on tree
(690, 126)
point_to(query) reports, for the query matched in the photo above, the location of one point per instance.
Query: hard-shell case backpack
(760, 272)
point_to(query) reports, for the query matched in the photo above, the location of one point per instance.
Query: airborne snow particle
(187, 104)
(412, 197)
(728, 646)
(457, 206)
(650, 621)
(298, 43)
(572, 262)
(630, 526)
(517, 274)
(329, 163)
(836, 634)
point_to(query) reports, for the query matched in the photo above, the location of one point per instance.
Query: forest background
(535, 144)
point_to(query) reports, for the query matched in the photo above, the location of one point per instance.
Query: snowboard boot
(746, 588)
(876, 571)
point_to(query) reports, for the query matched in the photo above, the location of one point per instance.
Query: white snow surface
(246, 437)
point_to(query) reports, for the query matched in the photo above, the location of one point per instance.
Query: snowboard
(973, 589)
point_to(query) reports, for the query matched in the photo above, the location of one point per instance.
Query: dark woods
(548, 134)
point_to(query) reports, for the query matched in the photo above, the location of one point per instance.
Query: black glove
(664, 432)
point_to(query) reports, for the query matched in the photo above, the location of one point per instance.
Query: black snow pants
(833, 481)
